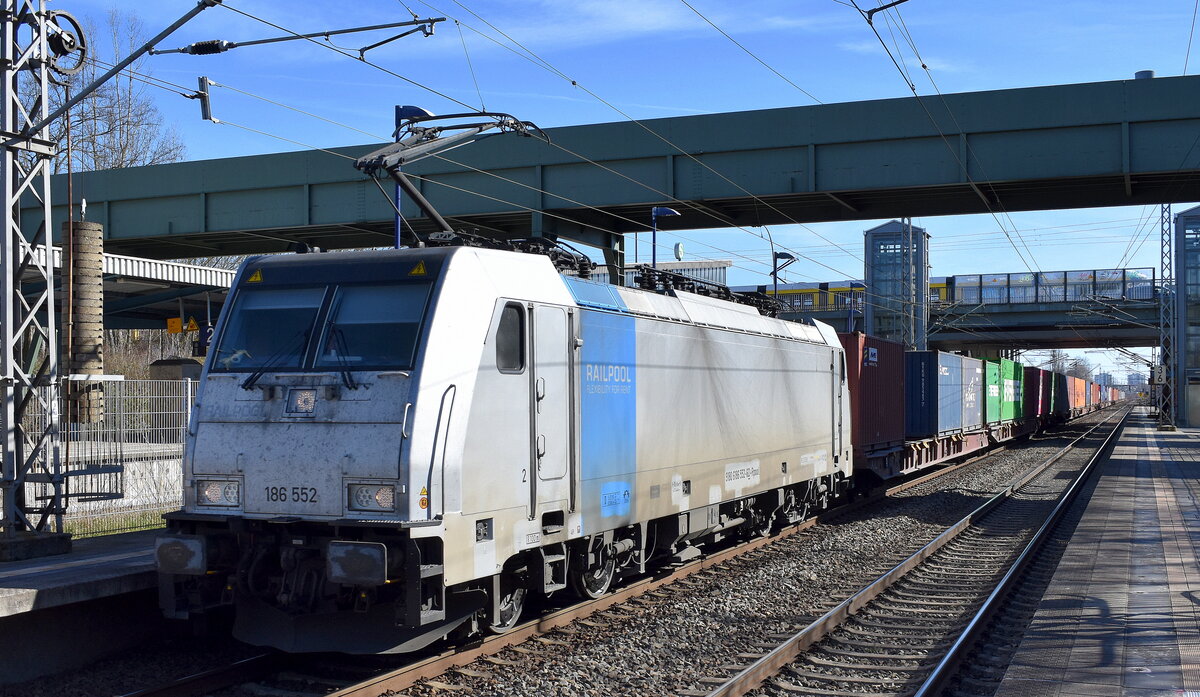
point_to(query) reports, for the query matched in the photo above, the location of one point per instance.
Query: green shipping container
(991, 391)
(1002, 378)
(1012, 374)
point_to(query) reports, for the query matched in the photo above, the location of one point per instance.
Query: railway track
(909, 631)
(283, 675)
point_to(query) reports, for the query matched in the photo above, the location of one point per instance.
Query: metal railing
(121, 453)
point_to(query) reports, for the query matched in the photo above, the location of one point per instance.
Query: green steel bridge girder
(1084, 145)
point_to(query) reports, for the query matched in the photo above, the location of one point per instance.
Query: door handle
(540, 388)
(541, 446)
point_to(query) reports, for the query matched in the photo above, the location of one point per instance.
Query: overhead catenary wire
(913, 88)
(533, 57)
(300, 143)
(750, 53)
(547, 192)
(436, 182)
(548, 66)
(1191, 34)
(749, 255)
(343, 52)
(970, 149)
(470, 65)
(177, 89)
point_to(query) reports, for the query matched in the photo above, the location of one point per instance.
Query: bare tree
(118, 125)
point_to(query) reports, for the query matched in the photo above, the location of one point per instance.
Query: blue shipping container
(950, 393)
(972, 392)
(933, 383)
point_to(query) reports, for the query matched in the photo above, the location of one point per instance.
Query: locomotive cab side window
(510, 339)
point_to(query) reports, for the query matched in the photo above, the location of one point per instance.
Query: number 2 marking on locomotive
(298, 494)
(524, 476)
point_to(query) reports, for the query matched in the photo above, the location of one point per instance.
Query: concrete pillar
(84, 335)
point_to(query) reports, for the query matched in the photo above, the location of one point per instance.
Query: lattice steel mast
(36, 43)
(29, 355)
(1166, 322)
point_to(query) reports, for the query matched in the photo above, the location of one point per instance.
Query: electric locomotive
(393, 446)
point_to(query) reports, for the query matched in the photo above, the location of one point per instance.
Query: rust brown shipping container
(875, 373)
(1078, 391)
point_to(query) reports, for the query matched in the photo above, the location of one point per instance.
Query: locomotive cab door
(551, 400)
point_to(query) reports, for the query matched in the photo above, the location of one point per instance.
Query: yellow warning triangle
(424, 491)
(193, 325)
(255, 277)
(418, 270)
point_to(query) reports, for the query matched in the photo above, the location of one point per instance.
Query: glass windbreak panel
(1109, 283)
(995, 289)
(1052, 287)
(1021, 288)
(372, 327)
(1080, 285)
(267, 329)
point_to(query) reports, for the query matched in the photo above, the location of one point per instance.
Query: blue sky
(658, 58)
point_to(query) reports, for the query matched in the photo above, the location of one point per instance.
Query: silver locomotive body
(392, 446)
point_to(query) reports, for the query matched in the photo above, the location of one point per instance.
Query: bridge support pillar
(614, 259)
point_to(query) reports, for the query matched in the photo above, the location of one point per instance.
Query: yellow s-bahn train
(840, 296)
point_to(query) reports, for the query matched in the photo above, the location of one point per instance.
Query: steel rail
(950, 663)
(433, 666)
(770, 664)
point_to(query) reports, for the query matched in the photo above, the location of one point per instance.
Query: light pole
(776, 267)
(654, 213)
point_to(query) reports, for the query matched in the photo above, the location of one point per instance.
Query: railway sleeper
(930, 646)
(924, 656)
(910, 603)
(849, 679)
(905, 624)
(801, 690)
(892, 664)
(905, 636)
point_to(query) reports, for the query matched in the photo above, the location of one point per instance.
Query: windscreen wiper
(342, 349)
(271, 362)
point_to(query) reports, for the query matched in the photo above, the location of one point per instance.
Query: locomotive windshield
(344, 327)
(373, 326)
(268, 328)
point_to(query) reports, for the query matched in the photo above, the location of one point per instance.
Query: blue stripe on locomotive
(608, 415)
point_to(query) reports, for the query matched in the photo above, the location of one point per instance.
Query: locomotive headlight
(372, 497)
(215, 492)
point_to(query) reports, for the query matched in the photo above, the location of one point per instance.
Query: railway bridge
(1064, 146)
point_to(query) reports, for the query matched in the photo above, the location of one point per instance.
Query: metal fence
(122, 452)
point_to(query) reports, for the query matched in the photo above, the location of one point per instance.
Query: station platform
(1121, 616)
(96, 567)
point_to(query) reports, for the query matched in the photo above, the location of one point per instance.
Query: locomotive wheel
(594, 581)
(763, 526)
(514, 589)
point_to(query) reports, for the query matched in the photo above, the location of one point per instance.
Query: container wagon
(943, 407)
